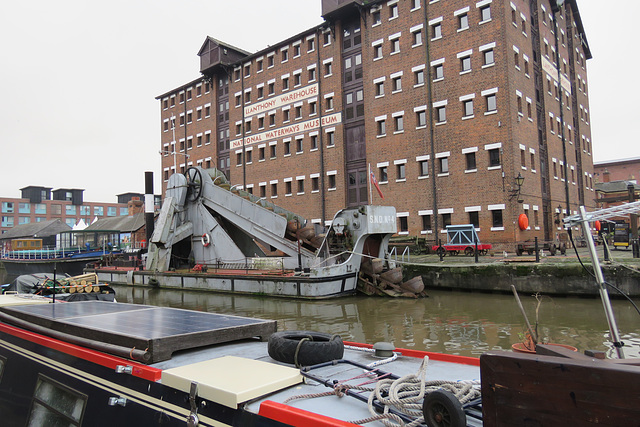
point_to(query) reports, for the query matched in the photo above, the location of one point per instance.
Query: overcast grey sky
(79, 80)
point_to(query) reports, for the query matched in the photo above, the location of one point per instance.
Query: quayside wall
(566, 279)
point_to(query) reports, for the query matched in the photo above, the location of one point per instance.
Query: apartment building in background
(462, 112)
(39, 204)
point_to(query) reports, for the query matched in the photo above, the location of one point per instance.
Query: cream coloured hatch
(232, 380)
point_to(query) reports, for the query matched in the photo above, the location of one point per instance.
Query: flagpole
(370, 185)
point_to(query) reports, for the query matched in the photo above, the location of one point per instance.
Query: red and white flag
(374, 181)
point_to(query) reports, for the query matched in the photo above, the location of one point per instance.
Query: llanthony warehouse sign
(279, 101)
(282, 132)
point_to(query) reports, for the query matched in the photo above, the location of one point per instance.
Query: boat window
(56, 404)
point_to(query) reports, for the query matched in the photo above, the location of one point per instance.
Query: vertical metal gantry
(583, 219)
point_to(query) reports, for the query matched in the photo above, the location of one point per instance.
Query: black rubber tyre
(442, 409)
(317, 348)
(468, 251)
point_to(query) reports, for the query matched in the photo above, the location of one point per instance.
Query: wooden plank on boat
(528, 389)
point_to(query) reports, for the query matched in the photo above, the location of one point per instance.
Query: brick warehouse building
(446, 102)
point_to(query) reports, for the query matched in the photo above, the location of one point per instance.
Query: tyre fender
(305, 348)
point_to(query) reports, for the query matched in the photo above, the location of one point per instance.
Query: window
(436, 31)
(424, 168)
(443, 163)
(328, 69)
(287, 188)
(496, 218)
(416, 36)
(300, 185)
(474, 219)
(415, 4)
(438, 72)
(311, 45)
(261, 153)
(494, 157)
(332, 182)
(398, 122)
(485, 13)
(463, 22)
(285, 115)
(404, 224)
(285, 55)
(426, 222)
(272, 119)
(263, 190)
(375, 15)
(299, 145)
(313, 108)
(418, 77)
(471, 161)
(393, 11)
(396, 84)
(287, 147)
(312, 73)
(314, 142)
(326, 38)
(421, 118)
(379, 88)
(274, 189)
(298, 111)
(328, 103)
(446, 219)
(296, 50)
(382, 127)
(382, 174)
(297, 79)
(465, 64)
(395, 46)
(487, 57)
(331, 139)
(315, 184)
(71, 210)
(272, 151)
(272, 88)
(467, 108)
(401, 172)
(377, 52)
(441, 114)
(56, 404)
(491, 103)
(285, 83)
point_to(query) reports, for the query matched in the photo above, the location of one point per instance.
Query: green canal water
(448, 322)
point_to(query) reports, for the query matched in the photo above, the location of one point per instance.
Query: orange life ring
(206, 240)
(523, 222)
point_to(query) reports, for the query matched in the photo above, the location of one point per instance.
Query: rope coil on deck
(404, 395)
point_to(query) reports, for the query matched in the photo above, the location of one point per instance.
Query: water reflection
(449, 322)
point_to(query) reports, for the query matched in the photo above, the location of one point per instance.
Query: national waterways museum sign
(282, 132)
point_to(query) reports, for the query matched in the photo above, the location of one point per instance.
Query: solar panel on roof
(159, 330)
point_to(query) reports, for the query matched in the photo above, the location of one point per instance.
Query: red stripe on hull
(139, 370)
